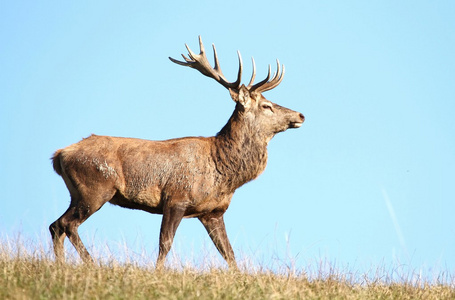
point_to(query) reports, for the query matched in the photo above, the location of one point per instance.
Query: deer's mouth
(295, 124)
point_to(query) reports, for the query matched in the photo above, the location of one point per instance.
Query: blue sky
(367, 180)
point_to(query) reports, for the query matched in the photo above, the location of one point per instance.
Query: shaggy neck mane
(240, 152)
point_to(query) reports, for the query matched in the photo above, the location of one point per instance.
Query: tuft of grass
(25, 275)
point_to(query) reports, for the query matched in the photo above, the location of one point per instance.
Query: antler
(266, 84)
(200, 62)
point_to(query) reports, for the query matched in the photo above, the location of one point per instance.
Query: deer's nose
(302, 117)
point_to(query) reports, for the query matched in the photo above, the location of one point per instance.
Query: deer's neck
(240, 152)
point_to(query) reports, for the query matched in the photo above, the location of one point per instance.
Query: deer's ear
(242, 96)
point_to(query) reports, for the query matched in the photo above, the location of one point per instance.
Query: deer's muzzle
(298, 122)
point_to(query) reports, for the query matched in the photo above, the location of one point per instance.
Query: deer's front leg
(214, 224)
(172, 216)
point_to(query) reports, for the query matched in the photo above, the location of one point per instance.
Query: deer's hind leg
(83, 205)
(58, 236)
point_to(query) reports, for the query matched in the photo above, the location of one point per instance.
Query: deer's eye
(267, 106)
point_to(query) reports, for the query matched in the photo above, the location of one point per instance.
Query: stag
(190, 177)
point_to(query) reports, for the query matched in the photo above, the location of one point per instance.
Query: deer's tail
(56, 161)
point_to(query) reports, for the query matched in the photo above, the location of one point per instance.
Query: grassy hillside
(35, 276)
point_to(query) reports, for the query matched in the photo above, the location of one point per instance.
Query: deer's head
(254, 109)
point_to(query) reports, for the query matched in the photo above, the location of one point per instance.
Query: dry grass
(25, 275)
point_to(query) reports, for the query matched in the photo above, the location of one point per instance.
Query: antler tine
(215, 57)
(201, 63)
(253, 76)
(191, 54)
(218, 68)
(201, 45)
(267, 85)
(278, 78)
(239, 74)
(276, 74)
(259, 84)
(181, 62)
